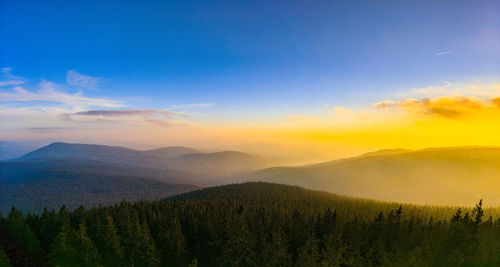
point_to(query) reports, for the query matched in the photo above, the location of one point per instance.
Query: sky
(317, 79)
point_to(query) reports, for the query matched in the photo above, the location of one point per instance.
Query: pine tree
(50, 227)
(238, 250)
(274, 250)
(194, 263)
(309, 254)
(172, 243)
(376, 254)
(111, 250)
(85, 249)
(21, 236)
(143, 248)
(334, 251)
(478, 213)
(457, 217)
(4, 260)
(62, 252)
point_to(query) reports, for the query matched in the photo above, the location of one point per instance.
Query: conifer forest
(253, 224)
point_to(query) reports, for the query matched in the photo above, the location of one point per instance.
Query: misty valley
(270, 133)
(94, 205)
(91, 175)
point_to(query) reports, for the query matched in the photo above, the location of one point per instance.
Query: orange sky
(449, 115)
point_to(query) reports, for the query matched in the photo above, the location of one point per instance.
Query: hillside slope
(444, 176)
(254, 224)
(168, 158)
(52, 188)
(100, 153)
(218, 163)
(171, 151)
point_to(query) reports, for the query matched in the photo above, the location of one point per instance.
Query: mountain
(182, 159)
(90, 175)
(441, 176)
(51, 188)
(438, 176)
(292, 197)
(218, 163)
(171, 151)
(14, 171)
(101, 153)
(253, 224)
(15, 149)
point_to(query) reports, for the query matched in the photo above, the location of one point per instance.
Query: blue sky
(247, 60)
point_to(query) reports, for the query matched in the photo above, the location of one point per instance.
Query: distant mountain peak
(176, 158)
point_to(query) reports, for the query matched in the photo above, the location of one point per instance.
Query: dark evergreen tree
(4, 259)
(172, 244)
(478, 213)
(254, 224)
(62, 252)
(85, 249)
(111, 250)
(309, 253)
(334, 251)
(238, 250)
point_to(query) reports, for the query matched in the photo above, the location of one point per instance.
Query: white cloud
(49, 107)
(192, 106)
(158, 117)
(472, 89)
(48, 92)
(10, 83)
(79, 80)
(7, 79)
(443, 53)
(341, 111)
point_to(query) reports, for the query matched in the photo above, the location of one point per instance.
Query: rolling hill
(218, 163)
(89, 175)
(171, 151)
(168, 158)
(438, 176)
(41, 188)
(254, 224)
(441, 176)
(99, 153)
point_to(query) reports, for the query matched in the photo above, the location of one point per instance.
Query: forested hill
(439, 176)
(90, 175)
(168, 158)
(252, 224)
(290, 197)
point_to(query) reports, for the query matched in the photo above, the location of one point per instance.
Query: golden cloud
(446, 106)
(496, 101)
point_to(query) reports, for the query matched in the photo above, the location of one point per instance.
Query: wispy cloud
(338, 110)
(79, 80)
(159, 117)
(114, 113)
(472, 89)
(48, 108)
(48, 129)
(8, 79)
(10, 83)
(443, 53)
(48, 92)
(192, 106)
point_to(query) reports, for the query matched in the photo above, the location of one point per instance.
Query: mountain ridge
(449, 176)
(175, 158)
